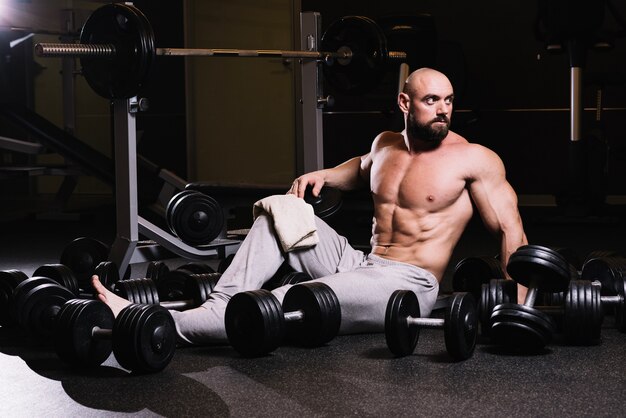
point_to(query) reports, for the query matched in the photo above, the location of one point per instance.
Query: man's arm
(345, 176)
(496, 202)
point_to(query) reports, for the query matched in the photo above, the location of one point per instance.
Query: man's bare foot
(113, 301)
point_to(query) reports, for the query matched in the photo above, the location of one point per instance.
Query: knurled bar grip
(108, 50)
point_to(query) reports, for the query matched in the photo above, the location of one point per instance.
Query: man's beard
(426, 132)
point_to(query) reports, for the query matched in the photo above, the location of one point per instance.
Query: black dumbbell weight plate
(526, 269)
(61, 274)
(196, 218)
(21, 291)
(38, 308)
(82, 256)
(9, 280)
(198, 287)
(254, 323)
(496, 292)
(292, 277)
(461, 326)
(607, 270)
(156, 270)
(172, 286)
(123, 75)
(108, 273)
(547, 255)
(582, 313)
(73, 338)
(326, 204)
(225, 263)
(322, 314)
(169, 210)
(144, 338)
(620, 312)
(521, 327)
(401, 338)
(471, 272)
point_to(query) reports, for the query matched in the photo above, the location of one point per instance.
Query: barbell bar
(117, 50)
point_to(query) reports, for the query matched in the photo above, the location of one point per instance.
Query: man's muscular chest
(431, 182)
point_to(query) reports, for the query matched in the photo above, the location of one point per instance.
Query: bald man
(423, 181)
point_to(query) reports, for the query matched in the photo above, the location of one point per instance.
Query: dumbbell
(284, 276)
(472, 272)
(171, 286)
(494, 293)
(106, 271)
(606, 267)
(36, 300)
(616, 302)
(326, 203)
(142, 337)
(403, 324)
(256, 323)
(523, 326)
(9, 279)
(82, 256)
(198, 287)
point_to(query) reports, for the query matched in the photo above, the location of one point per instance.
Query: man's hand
(299, 185)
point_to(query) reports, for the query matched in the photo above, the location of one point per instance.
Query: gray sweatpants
(362, 283)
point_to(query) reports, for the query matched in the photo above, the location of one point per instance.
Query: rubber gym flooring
(351, 376)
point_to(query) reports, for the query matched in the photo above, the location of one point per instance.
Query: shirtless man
(423, 181)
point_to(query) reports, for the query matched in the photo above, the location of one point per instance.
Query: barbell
(117, 50)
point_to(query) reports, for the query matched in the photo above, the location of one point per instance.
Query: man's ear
(403, 102)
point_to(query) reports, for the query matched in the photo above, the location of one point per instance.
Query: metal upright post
(310, 143)
(125, 152)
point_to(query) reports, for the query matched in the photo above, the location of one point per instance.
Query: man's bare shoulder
(472, 149)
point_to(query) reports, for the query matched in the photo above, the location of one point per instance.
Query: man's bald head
(421, 79)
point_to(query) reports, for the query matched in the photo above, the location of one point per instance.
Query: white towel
(294, 220)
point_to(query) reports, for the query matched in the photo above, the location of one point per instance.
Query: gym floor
(352, 375)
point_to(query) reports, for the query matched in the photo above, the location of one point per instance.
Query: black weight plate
(73, 339)
(108, 273)
(157, 270)
(124, 26)
(326, 204)
(59, 273)
(196, 218)
(461, 326)
(582, 313)
(620, 312)
(149, 342)
(225, 263)
(123, 338)
(9, 280)
(198, 287)
(39, 307)
(321, 314)
(400, 336)
(172, 286)
(496, 292)
(150, 290)
(253, 326)
(607, 271)
(544, 253)
(82, 256)
(170, 208)
(484, 309)
(471, 272)
(277, 279)
(545, 275)
(521, 327)
(20, 292)
(368, 44)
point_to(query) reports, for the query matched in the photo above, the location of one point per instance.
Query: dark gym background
(511, 95)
